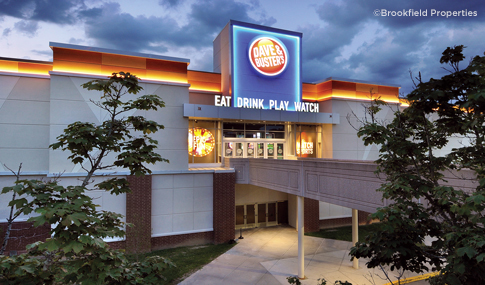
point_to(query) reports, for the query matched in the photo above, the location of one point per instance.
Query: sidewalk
(269, 256)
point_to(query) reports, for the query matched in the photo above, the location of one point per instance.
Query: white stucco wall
(331, 211)
(24, 123)
(172, 141)
(34, 111)
(182, 203)
(70, 103)
(103, 199)
(346, 144)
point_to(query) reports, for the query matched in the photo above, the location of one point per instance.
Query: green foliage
(187, 259)
(445, 111)
(76, 252)
(345, 233)
(293, 280)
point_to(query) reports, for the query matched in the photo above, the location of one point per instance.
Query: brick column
(224, 203)
(312, 215)
(139, 213)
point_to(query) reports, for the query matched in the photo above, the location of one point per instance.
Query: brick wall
(224, 195)
(22, 234)
(182, 240)
(117, 244)
(139, 213)
(311, 215)
(340, 222)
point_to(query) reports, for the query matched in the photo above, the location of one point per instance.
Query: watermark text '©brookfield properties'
(424, 13)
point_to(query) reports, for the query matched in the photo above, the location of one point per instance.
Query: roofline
(26, 60)
(353, 81)
(117, 52)
(211, 72)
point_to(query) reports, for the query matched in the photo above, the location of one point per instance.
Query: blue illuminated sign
(265, 67)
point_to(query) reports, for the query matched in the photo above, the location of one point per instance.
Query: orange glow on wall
(342, 95)
(25, 67)
(100, 70)
(204, 81)
(9, 66)
(201, 142)
(165, 76)
(104, 64)
(350, 90)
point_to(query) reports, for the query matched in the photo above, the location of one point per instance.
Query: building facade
(253, 109)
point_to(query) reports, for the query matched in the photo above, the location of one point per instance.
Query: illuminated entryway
(254, 149)
(254, 140)
(261, 215)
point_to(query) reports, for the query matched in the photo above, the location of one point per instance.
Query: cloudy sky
(346, 38)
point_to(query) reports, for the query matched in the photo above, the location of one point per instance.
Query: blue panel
(307, 117)
(289, 116)
(250, 114)
(189, 110)
(323, 118)
(249, 83)
(228, 113)
(205, 111)
(271, 115)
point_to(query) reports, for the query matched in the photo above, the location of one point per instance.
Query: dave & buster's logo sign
(268, 56)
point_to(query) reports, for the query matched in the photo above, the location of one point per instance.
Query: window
(253, 131)
(305, 140)
(204, 142)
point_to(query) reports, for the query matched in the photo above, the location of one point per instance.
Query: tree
(442, 112)
(76, 253)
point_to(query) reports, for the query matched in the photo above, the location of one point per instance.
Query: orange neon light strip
(387, 100)
(97, 72)
(205, 89)
(25, 67)
(14, 68)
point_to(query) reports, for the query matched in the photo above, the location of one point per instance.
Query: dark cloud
(28, 28)
(6, 32)
(93, 12)
(53, 11)
(75, 41)
(114, 29)
(343, 14)
(214, 15)
(170, 3)
(323, 42)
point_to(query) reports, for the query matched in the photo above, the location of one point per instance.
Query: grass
(345, 233)
(189, 259)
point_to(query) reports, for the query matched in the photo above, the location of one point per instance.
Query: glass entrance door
(260, 150)
(239, 150)
(252, 149)
(280, 151)
(270, 150)
(261, 214)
